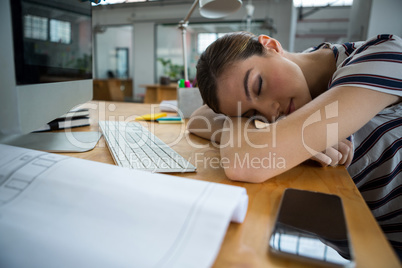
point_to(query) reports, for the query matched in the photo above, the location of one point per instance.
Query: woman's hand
(340, 154)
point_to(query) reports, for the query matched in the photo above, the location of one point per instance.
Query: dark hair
(220, 55)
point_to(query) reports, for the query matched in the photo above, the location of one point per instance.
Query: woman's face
(269, 86)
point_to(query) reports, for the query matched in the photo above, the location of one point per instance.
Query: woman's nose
(270, 110)
(274, 111)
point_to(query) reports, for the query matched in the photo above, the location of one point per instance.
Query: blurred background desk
(246, 244)
(155, 93)
(113, 89)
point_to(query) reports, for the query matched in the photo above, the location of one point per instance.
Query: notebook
(59, 211)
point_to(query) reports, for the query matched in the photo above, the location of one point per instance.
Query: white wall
(385, 17)
(144, 56)
(372, 17)
(106, 43)
(359, 18)
(328, 24)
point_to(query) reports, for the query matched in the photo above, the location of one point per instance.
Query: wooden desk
(156, 93)
(112, 89)
(246, 244)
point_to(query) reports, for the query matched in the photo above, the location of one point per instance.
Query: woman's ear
(270, 43)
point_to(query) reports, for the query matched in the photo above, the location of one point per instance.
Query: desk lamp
(211, 9)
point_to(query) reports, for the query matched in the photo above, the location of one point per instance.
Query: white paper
(168, 106)
(80, 213)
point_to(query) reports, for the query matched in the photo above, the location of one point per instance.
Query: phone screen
(311, 226)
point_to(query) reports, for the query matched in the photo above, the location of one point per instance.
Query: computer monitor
(46, 57)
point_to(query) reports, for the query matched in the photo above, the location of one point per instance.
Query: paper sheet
(81, 213)
(168, 106)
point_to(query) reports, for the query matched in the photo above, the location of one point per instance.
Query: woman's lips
(291, 107)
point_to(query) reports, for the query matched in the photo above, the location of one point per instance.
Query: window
(122, 62)
(199, 37)
(320, 3)
(205, 39)
(60, 31)
(35, 27)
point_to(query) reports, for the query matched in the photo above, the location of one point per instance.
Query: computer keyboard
(134, 146)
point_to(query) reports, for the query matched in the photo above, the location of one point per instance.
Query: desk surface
(246, 244)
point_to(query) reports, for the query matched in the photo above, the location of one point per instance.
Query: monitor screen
(46, 61)
(52, 40)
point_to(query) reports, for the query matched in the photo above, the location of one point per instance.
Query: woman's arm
(256, 155)
(206, 124)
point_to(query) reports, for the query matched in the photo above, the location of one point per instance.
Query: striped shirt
(376, 167)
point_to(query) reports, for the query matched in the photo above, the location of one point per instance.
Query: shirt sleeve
(375, 64)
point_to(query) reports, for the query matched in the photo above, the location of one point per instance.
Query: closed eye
(259, 86)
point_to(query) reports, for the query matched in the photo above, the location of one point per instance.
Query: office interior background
(133, 38)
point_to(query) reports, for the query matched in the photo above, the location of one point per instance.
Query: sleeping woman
(338, 104)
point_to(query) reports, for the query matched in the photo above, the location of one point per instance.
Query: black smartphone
(310, 226)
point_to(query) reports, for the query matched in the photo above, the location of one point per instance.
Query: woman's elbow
(191, 126)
